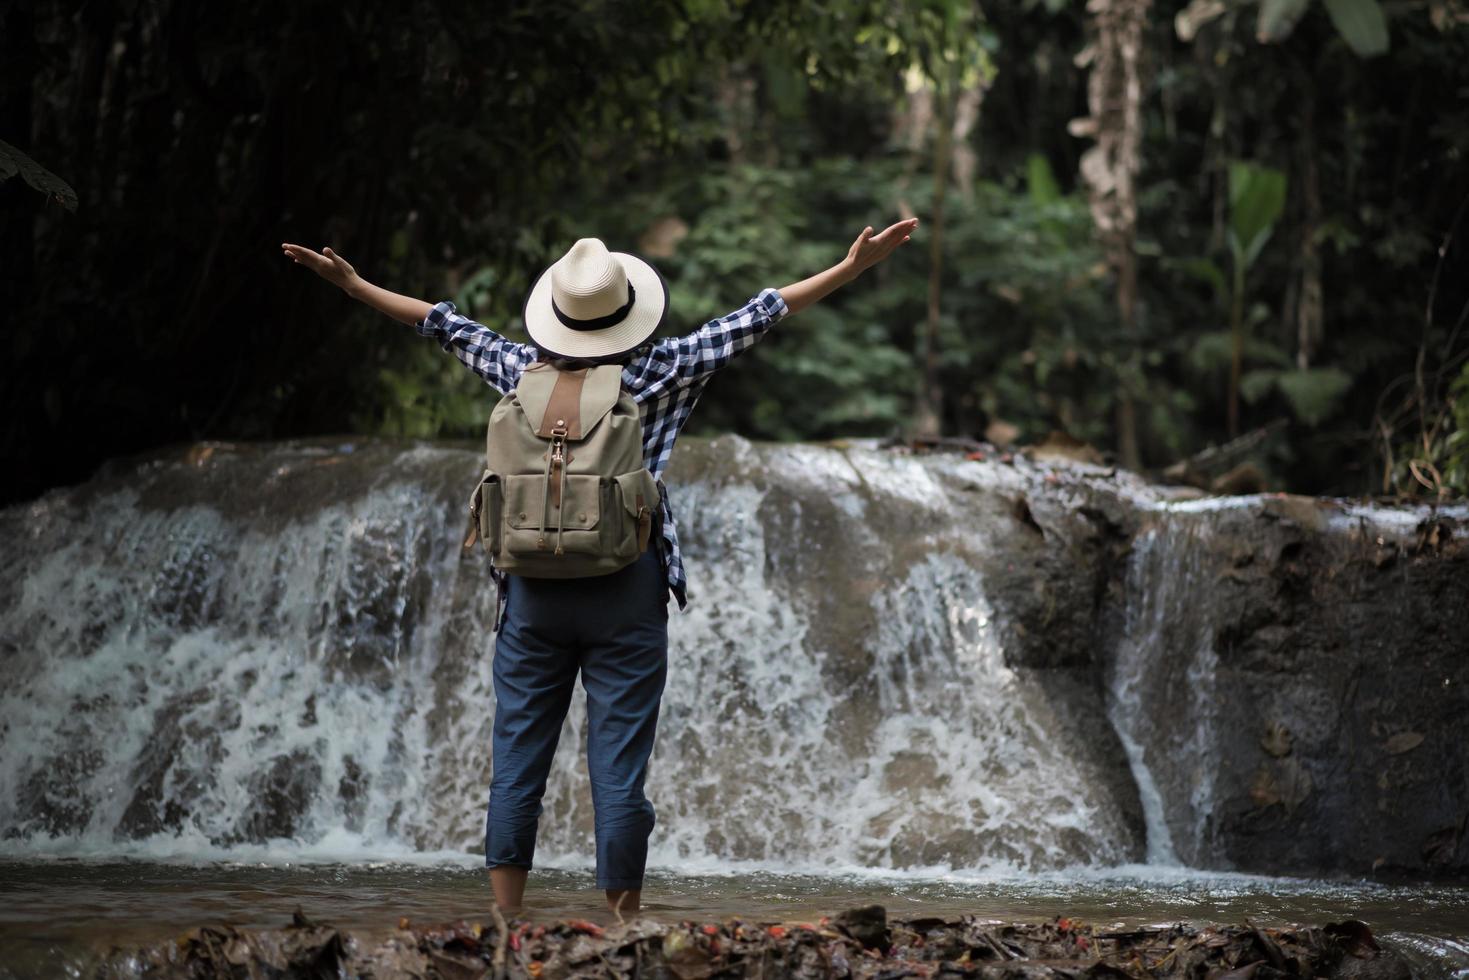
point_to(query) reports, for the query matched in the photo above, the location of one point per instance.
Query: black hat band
(601, 322)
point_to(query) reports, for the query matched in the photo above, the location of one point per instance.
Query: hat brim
(650, 306)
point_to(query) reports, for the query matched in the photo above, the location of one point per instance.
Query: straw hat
(592, 303)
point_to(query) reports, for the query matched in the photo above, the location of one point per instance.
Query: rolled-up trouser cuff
(508, 847)
(620, 884)
(491, 863)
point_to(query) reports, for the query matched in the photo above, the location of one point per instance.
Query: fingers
(869, 249)
(299, 254)
(325, 263)
(898, 230)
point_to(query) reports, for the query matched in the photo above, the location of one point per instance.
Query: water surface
(59, 914)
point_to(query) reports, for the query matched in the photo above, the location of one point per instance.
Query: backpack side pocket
(491, 506)
(639, 495)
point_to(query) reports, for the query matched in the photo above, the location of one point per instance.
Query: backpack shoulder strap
(573, 400)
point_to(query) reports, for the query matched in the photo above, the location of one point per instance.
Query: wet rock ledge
(859, 943)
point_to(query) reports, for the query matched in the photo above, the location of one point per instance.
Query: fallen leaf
(1403, 742)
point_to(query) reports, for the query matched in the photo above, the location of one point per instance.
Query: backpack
(564, 493)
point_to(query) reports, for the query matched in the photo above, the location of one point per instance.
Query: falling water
(282, 652)
(1164, 662)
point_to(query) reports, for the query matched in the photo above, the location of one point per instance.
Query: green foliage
(1312, 393)
(1455, 466)
(1040, 180)
(452, 154)
(1209, 354)
(1256, 199)
(1361, 24)
(1278, 18)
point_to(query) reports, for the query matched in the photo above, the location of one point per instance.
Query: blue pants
(614, 629)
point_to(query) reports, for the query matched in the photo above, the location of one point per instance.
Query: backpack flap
(571, 400)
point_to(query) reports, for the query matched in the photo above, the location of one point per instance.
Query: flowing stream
(241, 683)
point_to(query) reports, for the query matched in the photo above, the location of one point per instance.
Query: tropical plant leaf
(1212, 352)
(1278, 18)
(1361, 23)
(13, 161)
(1256, 200)
(1313, 393)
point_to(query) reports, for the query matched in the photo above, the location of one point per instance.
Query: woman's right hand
(326, 263)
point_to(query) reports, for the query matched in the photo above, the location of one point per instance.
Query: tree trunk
(1310, 330)
(966, 117)
(929, 421)
(1110, 168)
(1236, 342)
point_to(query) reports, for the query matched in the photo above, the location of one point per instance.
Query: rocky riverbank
(860, 943)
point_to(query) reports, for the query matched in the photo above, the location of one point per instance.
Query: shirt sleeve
(699, 354)
(498, 360)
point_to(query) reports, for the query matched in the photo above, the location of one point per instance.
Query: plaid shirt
(665, 381)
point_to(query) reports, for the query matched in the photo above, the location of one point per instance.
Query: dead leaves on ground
(860, 944)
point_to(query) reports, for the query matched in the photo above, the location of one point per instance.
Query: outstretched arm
(339, 272)
(866, 251)
(497, 360)
(699, 354)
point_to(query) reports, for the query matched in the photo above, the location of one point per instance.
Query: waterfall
(1269, 647)
(1165, 661)
(280, 652)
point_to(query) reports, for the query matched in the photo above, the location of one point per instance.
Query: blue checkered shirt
(665, 381)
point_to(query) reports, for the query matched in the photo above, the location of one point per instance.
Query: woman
(594, 306)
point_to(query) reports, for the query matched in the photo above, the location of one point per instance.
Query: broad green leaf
(1256, 200)
(1315, 392)
(1041, 181)
(1278, 18)
(1361, 24)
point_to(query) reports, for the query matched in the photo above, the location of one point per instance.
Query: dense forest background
(1152, 226)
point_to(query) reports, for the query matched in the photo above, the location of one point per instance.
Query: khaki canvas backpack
(564, 493)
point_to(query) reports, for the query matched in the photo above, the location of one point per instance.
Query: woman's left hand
(870, 249)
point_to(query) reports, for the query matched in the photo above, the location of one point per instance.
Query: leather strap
(563, 410)
(645, 523)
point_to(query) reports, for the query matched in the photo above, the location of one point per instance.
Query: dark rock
(868, 925)
(1322, 695)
